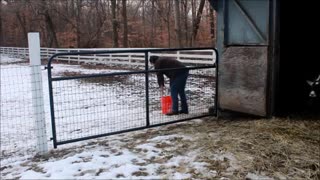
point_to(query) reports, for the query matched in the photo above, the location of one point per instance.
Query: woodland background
(108, 23)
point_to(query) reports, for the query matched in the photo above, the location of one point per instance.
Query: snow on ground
(4, 59)
(147, 154)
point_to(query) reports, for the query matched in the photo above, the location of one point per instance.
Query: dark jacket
(168, 63)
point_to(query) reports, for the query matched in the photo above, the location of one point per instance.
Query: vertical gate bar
(146, 54)
(53, 124)
(217, 81)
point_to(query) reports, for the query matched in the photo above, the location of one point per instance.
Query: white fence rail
(133, 59)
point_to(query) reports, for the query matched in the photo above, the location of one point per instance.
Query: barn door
(243, 41)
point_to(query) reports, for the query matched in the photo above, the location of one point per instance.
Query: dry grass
(280, 148)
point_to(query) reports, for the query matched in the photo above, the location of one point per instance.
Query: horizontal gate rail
(146, 74)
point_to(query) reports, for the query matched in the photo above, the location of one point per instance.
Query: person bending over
(178, 80)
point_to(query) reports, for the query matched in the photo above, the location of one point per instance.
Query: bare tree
(114, 24)
(86, 23)
(22, 22)
(78, 5)
(125, 23)
(152, 40)
(177, 26)
(212, 26)
(168, 23)
(94, 23)
(197, 20)
(143, 22)
(185, 20)
(17, 10)
(50, 27)
(164, 11)
(1, 31)
(193, 14)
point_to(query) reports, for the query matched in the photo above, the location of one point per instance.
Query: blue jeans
(177, 87)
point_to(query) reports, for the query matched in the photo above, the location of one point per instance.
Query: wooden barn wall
(243, 78)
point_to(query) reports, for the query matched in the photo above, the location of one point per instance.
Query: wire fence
(84, 107)
(119, 102)
(19, 99)
(88, 107)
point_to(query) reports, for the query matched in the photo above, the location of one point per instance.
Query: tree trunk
(1, 31)
(177, 22)
(197, 21)
(114, 24)
(168, 23)
(23, 27)
(143, 23)
(51, 31)
(125, 23)
(186, 30)
(212, 32)
(78, 22)
(152, 24)
(49, 23)
(193, 13)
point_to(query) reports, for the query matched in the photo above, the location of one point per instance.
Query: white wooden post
(48, 53)
(37, 92)
(79, 57)
(130, 59)
(178, 55)
(95, 59)
(69, 56)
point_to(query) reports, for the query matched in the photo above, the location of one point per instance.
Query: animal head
(315, 87)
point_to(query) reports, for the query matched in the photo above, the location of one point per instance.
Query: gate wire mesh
(18, 130)
(98, 105)
(92, 105)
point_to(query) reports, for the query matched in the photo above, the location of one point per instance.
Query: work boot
(183, 112)
(172, 113)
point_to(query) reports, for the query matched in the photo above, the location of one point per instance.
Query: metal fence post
(146, 58)
(37, 92)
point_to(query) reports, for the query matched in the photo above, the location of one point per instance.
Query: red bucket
(166, 103)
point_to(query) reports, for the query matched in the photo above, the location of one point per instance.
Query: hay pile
(277, 148)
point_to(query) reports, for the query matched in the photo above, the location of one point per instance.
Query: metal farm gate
(97, 102)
